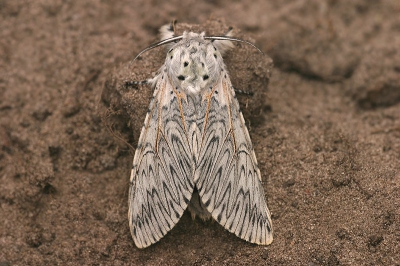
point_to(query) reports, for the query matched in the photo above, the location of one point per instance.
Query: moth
(194, 149)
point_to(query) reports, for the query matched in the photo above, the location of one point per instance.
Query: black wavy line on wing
(161, 189)
(228, 177)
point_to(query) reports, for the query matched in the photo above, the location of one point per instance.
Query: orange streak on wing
(162, 91)
(228, 102)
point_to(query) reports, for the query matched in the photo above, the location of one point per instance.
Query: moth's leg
(229, 33)
(136, 83)
(168, 31)
(248, 93)
(172, 25)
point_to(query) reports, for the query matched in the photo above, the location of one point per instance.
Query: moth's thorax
(194, 64)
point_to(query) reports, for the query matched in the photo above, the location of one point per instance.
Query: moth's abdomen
(197, 207)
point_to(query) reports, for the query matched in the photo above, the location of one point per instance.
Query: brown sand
(326, 130)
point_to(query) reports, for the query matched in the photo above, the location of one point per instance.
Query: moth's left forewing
(161, 184)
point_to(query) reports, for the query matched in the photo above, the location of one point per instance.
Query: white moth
(194, 148)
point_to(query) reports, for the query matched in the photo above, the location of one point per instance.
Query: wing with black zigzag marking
(228, 178)
(161, 181)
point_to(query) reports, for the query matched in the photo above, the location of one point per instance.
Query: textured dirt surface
(325, 126)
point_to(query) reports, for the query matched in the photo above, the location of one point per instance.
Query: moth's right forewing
(228, 179)
(160, 188)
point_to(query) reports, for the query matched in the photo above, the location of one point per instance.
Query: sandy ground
(325, 126)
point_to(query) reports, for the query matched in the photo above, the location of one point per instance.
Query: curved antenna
(173, 39)
(226, 38)
(213, 38)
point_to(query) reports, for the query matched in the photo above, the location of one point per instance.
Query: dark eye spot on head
(202, 64)
(171, 56)
(180, 77)
(205, 77)
(215, 49)
(215, 56)
(185, 64)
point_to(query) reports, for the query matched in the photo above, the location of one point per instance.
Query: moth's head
(195, 63)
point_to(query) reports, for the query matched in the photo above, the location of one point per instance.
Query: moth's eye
(215, 56)
(180, 77)
(202, 64)
(205, 77)
(185, 64)
(171, 56)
